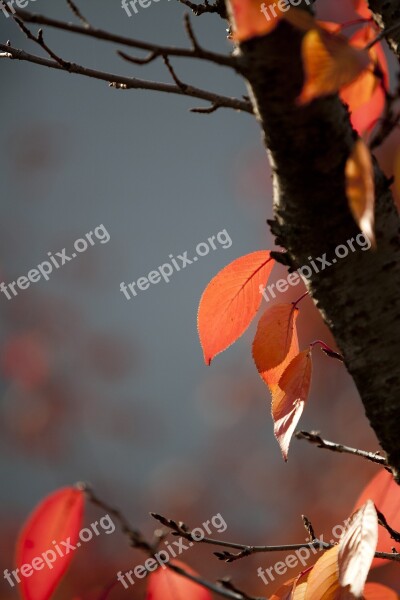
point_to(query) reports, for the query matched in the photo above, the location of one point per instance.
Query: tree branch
(181, 530)
(88, 31)
(314, 438)
(128, 83)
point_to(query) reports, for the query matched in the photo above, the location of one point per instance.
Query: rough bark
(359, 296)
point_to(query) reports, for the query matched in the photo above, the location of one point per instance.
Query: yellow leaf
(330, 63)
(360, 189)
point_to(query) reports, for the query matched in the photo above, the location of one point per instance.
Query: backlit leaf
(289, 397)
(385, 493)
(377, 591)
(360, 188)
(365, 96)
(58, 518)
(275, 343)
(230, 302)
(165, 584)
(323, 581)
(330, 63)
(357, 549)
(249, 21)
(361, 7)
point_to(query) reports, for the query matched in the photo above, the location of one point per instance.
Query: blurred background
(98, 388)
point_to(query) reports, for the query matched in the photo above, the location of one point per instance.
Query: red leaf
(230, 302)
(57, 518)
(365, 96)
(362, 9)
(275, 343)
(376, 591)
(385, 493)
(165, 584)
(289, 398)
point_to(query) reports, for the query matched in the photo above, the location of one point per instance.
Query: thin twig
(127, 83)
(395, 535)
(314, 438)
(182, 530)
(138, 541)
(200, 9)
(100, 34)
(78, 13)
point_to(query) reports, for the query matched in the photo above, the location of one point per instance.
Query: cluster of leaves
(355, 68)
(340, 573)
(227, 307)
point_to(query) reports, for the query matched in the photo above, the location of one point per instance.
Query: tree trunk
(359, 296)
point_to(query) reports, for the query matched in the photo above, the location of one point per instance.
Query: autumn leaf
(377, 591)
(275, 343)
(361, 7)
(289, 398)
(58, 518)
(300, 586)
(360, 188)
(357, 549)
(165, 584)
(330, 63)
(252, 18)
(323, 581)
(285, 591)
(293, 589)
(365, 96)
(385, 493)
(230, 302)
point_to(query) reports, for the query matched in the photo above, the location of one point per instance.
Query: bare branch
(395, 535)
(201, 9)
(138, 541)
(314, 438)
(127, 83)
(100, 34)
(78, 13)
(181, 529)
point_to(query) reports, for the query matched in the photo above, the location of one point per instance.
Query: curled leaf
(385, 493)
(231, 300)
(360, 188)
(357, 549)
(289, 397)
(275, 343)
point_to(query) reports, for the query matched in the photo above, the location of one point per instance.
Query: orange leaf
(360, 188)
(361, 7)
(385, 493)
(323, 581)
(357, 548)
(165, 584)
(57, 518)
(230, 302)
(275, 343)
(365, 96)
(289, 397)
(300, 586)
(285, 591)
(330, 63)
(376, 591)
(251, 18)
